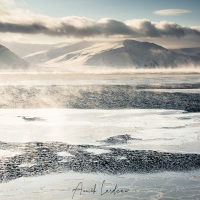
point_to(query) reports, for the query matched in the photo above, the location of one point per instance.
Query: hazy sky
(117, 9)
(49, 21)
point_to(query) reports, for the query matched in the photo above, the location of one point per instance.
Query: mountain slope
(23, 49)
(141, 54)
(189, 51)
(9, 60)
(57, 51)
(127, 53)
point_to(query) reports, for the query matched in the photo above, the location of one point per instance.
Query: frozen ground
(165, 185)
(163, 130)
(124, 78)
(141, 133)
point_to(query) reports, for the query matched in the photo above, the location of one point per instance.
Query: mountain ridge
(125, 53)
(122, 54)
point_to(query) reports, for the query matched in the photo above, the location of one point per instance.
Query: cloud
(171, 12)
(15, 20)
(5, 5)
(83, 27)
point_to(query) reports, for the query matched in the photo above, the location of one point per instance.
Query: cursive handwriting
(80, 190)
(114, 191)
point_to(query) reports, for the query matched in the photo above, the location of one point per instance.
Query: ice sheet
(163, 130)
(166, 185)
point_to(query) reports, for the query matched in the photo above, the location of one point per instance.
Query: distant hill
(9, 60)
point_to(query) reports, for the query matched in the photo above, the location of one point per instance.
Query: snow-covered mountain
(23, 49)
(9, 60)
(57, 51)
(127, 53)
(189, 51)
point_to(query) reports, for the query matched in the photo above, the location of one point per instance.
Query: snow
(58, 51)
(36, 53)
(168, 185)
(127, 53)
(7, 153)
(27, 165)
(9, 60)
(64, 154)
(161, 130)
(97, 151)
(190, 91)
(176, 131)
(38, 79)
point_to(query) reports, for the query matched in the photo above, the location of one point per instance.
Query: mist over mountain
(9, 60)
(189, 51)
(23, 49)
(126, 53)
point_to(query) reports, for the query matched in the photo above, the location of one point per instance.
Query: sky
(117, 9)
(49, 21)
